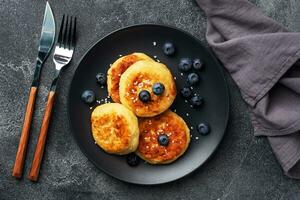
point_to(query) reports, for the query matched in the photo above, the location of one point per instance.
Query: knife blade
(45, 45)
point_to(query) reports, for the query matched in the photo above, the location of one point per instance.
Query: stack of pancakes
(131, 125)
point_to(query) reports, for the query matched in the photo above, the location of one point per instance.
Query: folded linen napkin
(262, 58)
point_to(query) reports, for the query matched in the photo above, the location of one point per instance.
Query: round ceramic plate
(149, 39)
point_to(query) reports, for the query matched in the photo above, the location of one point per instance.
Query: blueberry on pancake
(144, 78)
(117, 69)
(163, 138)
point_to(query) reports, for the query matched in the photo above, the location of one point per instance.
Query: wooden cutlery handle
(38, 154)
(21, 153)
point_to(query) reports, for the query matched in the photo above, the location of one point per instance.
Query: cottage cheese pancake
(117, 69)
(168, 124)
(115, 128)
(142, 76)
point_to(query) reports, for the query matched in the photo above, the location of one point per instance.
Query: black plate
(212, 87)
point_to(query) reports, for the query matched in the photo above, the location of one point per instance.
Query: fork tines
(67, 33)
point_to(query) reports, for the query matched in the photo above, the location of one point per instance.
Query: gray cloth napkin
(262, 58)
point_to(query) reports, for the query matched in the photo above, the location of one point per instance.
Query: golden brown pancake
(141, 76)
(167, 123)
(115, 128)
(117, 69)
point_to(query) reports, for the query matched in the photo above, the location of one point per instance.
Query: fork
(62, 56)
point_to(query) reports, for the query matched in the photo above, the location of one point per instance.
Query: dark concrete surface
(243, 167)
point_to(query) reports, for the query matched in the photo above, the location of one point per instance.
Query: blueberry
(196, 101)
(158, 88)
(163, 140)
(132, 160)
(203, 128)
(193, 79)
(144, 96)
(186, 92)
(185, 64)
(88, 96)
(169, 49)
(197, 64)
(101, 79)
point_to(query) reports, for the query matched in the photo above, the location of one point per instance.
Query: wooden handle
(21, 153)
(38, 154)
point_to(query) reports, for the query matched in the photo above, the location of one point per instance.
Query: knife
(45, 46)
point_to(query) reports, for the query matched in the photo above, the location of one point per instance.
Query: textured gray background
(243, 167)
